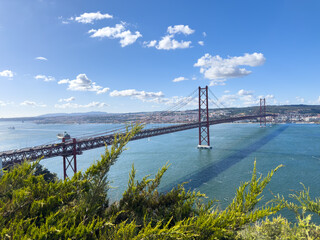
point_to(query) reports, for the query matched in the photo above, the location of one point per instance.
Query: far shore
(110, 123)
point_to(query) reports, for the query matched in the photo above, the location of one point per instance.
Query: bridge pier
(204, 126)
(69, 161)
(263, 118)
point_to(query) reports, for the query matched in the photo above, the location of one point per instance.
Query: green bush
(34, 204)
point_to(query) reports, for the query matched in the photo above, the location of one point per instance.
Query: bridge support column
(263, 118)
(69, 161)
(204, 136)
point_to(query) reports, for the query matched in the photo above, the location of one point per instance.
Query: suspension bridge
(69, 149)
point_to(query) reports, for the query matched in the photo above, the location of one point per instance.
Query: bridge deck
(66, 149)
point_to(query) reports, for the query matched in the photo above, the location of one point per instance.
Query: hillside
(176, 116)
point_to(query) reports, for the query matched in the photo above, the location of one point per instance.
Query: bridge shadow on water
(196, 179)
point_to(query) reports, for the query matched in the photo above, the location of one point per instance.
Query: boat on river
(64, 135)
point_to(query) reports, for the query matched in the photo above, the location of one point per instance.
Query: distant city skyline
(134, 56)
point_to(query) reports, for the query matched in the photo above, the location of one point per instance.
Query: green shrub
(36, 205)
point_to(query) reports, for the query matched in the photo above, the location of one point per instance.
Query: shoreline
(122, 123)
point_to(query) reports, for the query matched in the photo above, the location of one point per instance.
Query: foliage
(36, 205)
(34, 208)
(306, 204)
(280, 228)
(224, 224)
(47, 175)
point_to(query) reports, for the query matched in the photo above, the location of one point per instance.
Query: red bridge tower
(70, 161)
(204, 136)
(263, 118)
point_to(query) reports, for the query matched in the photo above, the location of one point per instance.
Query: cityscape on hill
(285, 114)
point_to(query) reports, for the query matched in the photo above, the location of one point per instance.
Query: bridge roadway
(66, 149)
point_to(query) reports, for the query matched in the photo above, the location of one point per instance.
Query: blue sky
(129, 56)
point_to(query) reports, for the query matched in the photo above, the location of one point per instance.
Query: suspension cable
(216, 98)
(180, 104)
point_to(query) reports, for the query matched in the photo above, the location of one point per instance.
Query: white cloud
(152, 43)
(75, 105)
(91, 17)
(127, 38)
(63, 81)
(270, 99)
(45, 78)
(32, 104)
(228, 99)
(167, 43)
(119, 31)
(83, 83)
(154, 97)
(201, 43)
(41, 58)
(3, 104)
(244, 98)
(217, 82)
(102, 90)
(234, 100)
(64, 21)
(215, 67)
(249, 100)
(247, 97)
(180, 29)
(179, 79)
(204, 34)
(191, 101)
(141, 95)
(244, 92)
(70, 99)
(270, 96)
(300, 99)
(6, 73)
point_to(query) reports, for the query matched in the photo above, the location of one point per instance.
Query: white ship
(64, 135)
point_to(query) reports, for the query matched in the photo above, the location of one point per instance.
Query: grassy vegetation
(37, 205)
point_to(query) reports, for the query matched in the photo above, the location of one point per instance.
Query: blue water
(217, 172)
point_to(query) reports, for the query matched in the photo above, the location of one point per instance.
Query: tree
(36, 205)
